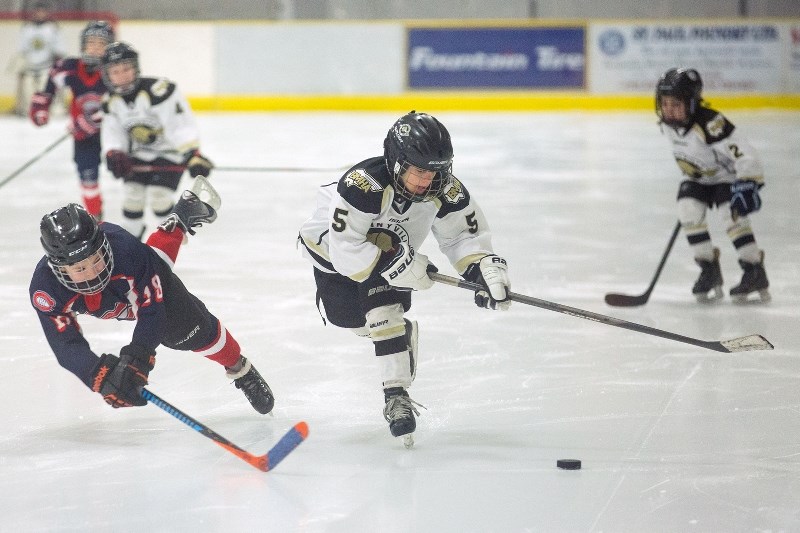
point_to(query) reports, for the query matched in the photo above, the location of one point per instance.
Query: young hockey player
(103, 271)
(149, 134)
(40, 46)
(720, 170)
(81, 76)
(362, 241)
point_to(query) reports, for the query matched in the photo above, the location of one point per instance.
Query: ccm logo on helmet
(43, 301)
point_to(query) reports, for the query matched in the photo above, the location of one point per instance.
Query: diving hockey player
(721, 170)
(363, 238)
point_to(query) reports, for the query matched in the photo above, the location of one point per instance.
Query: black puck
(569, 464)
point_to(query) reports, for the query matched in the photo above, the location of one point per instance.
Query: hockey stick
(625, 300)
(265, 463)
(740, 344)
(181, 168)
(34, 160)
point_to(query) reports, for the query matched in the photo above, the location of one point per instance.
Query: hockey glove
(407, 269)
(491, 273)
(40, 108)
(119, 163)
(119, 380)
(198, 164)
(744, 197)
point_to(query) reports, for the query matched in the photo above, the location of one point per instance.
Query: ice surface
(672, 437)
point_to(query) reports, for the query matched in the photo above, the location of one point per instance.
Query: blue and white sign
(503, 58)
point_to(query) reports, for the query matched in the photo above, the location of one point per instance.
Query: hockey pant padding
(387, 329)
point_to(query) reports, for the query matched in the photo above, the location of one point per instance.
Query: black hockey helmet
(420, 140)
(684, 84)
(119, 52)
(96, 28)
(70, 235)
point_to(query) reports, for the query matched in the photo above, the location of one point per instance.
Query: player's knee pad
(363, 331)
(692, 213)
(387, 328)
(161, 200)
(133, 197)
(386, 323)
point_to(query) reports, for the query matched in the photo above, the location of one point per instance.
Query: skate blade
(741, 299)
(206, 192)
(711, 296)
(408, 441)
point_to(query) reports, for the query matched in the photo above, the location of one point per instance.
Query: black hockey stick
(625, 300)
(34, 160)
(740, 344)
(265, 463)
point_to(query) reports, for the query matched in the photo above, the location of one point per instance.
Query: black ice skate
(399, 411)
(196, 206)
(412, 340)
(254, 387)
(708, 286)
(754, 279)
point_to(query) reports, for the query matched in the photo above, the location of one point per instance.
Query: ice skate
(399, 411)
(254, 387)
(195, 207)
(754, 279)
(708, 287)
(412, 341)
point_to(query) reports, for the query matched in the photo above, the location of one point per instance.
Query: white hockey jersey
(40, 45)
(710, 151)
(155, 121)
(358, 217)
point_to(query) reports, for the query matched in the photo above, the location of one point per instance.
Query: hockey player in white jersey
(149, 136)
(721, 169)
(363, 238)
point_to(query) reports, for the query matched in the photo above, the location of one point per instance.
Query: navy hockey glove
(744, 197)
(40, 108)
(119, 380)
(407, 269)
(491, 273)
(198, 164)
(119, 163)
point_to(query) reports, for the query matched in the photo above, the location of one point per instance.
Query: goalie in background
(363, 239)
(40, 46)
(99, 269)
(81, 77)
(721, 169)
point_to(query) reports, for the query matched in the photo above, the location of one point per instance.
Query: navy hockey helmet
(684, 84)
(70, 235)
(115, 54)
(100, 29)
(420, 140)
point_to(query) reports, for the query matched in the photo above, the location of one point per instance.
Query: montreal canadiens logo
(43, 301)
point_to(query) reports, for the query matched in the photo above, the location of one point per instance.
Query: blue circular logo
(612, 42)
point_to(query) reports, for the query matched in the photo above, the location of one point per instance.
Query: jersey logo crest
(716, 126)
(360, 179)
(692, 170)
(43, 301)
(453, 191)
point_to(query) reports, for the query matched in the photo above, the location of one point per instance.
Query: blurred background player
(721, 170)
(103, 271)
(149, 136)
(362, 240)
(82, 77)
(40, 45)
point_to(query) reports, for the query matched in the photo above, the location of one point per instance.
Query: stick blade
(747, 344)
(625, 300)
(288, 442)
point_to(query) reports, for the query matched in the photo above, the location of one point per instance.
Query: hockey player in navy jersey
(82, 78)
(363, 238)
(103, 271)
(721, 169)
(149, 136)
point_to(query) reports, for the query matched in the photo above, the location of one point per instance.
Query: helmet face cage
(100, 29)
(684, 84)
(115, 54)
(92, 286)
(418, 139)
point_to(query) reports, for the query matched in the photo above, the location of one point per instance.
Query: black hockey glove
(198, 164)
(119, 380)
(744, 197)
(491, 273)
(119, 163)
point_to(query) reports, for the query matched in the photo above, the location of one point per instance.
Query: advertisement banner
(501, 58)
(731, 57)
